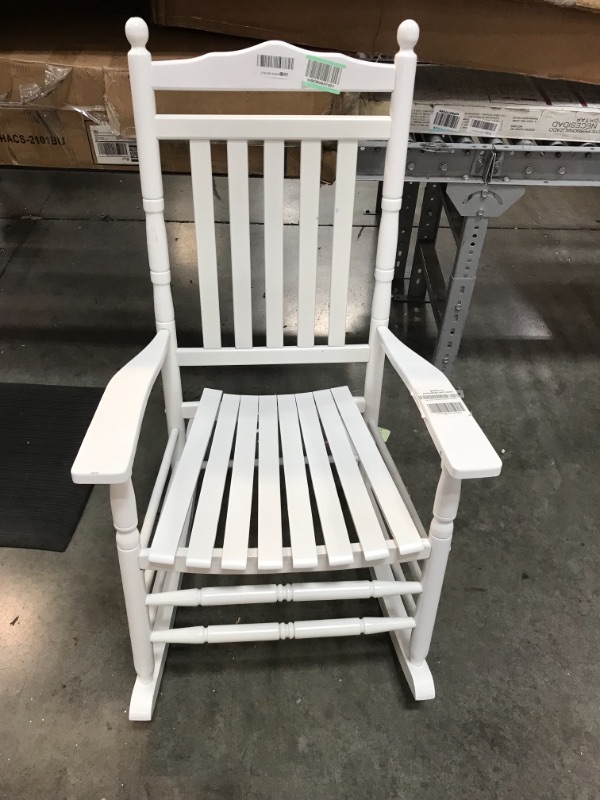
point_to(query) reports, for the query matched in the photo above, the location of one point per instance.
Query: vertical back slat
(204, 216)
(345, 184)
(273, 189)
(310, 180)
(239, 228)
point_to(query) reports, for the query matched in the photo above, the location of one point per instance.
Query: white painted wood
(231, 356)
(239, 230)
(310, 179)
(407, 599)
(172, 518)
(331, 516)
(395, 512)
(418, 676)
(237, 524)
(464, 448)
(345, 188)
(365, 521)
(204, 527)
(273, 230)
(399, 483)
(234, 71)
(188, 409)
(323, 564)
(171, 383)
(266, 128)
(445, 508)
(274, 631)
(270, 554)
(159, 487)
(279, 592)
(415, 570)
(144, 109)
(304, 551)
(206, 247)
(240, 70)
(108, 448)
(124, 512)
(144, 695)
(405, 63)
(154, 580)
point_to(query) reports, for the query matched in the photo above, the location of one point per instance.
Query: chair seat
(284, 481)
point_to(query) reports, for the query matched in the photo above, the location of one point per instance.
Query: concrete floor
(515, 654)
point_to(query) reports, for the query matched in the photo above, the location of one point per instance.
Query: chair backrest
(270, 66)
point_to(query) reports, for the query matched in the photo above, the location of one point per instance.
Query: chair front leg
(445, 508)
(124, 511)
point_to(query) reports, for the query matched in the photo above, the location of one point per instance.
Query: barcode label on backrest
(272, 66)
(323, 74)
(275, 62)
(109, 148)
(476, 125)
(447, 119)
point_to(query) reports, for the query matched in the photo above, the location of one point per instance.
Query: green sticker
(384, 433)
(322, 74)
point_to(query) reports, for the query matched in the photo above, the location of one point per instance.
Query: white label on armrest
(439, 401)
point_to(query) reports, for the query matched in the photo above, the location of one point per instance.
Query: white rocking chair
(313, 435)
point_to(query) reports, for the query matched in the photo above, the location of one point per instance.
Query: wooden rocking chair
(327, 438)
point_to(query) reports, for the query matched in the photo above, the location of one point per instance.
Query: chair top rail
(273, 67)
(267, 66)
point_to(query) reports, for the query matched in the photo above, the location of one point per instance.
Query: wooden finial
(408, 34)
(137, 32)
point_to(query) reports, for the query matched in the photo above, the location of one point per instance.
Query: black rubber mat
(41, 428)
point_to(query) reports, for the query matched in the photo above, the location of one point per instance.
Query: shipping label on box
(484, 104)
(535, 122)
(109, 148)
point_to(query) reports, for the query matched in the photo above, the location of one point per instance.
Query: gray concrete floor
(515, 654)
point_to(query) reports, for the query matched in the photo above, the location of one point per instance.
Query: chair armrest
(462, 445)
(108, 448)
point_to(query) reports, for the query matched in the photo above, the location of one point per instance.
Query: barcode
(112, 149)
(325, 74)
(446, 119)
(483, 125)
(433, 396)
(275, 62)
(445, 408)
(133, 153)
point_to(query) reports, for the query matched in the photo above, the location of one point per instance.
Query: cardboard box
(67, 138)
(463, 102)
(65, 99)
(547, 38)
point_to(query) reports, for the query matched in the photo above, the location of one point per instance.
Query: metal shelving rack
(473, 182)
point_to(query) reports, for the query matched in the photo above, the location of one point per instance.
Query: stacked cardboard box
(545, 38)
(65, 99)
